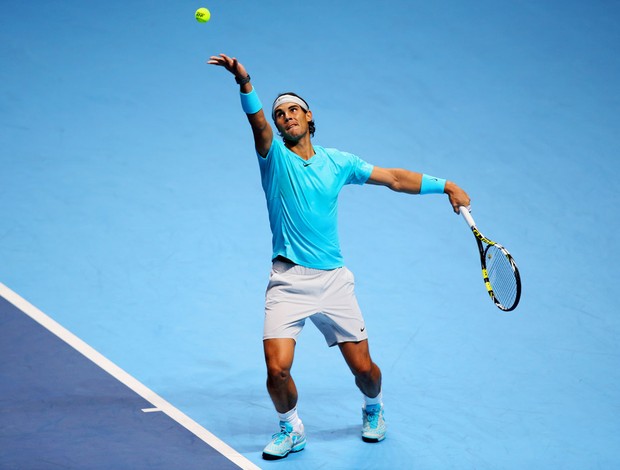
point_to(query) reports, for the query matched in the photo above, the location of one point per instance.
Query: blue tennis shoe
(373, 427)
(284, 442)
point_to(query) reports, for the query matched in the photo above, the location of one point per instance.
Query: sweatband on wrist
(432, 185)
(250, 102)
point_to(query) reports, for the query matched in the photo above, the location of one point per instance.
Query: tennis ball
(203, 15)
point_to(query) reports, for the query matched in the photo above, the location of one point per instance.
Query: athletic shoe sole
(297, 448)
(373, 439)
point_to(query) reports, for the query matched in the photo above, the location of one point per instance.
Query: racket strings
(502, 276)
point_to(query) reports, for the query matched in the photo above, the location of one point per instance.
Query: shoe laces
(373, 417)
(281, 435)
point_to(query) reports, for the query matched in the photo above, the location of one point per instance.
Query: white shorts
(296, 293)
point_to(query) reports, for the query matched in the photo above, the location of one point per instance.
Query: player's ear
(308, 115)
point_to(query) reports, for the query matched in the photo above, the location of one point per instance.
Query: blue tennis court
(135, 244)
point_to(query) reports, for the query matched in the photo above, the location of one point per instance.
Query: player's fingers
(217, 60)
(223, 59)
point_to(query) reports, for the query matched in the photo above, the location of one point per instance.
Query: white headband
(287, 99)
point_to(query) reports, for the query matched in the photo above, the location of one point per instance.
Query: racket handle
(467, 216)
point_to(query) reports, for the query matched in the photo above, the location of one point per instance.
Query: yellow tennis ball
(203, 15)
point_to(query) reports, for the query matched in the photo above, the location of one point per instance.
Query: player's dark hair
(311, 125)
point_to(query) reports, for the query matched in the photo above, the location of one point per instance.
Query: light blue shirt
(302, 200)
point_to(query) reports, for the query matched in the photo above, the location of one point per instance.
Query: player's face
(292, 121)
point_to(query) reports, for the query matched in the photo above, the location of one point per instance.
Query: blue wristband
(432, 185)
(250, 102)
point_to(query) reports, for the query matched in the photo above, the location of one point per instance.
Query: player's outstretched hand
(229, 63)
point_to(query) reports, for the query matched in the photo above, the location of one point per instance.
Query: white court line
(159, 403)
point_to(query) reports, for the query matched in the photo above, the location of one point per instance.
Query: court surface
(133, 221)
(65, 406)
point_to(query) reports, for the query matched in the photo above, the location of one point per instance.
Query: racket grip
(467, 216)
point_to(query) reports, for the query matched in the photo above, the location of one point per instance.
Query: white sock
(378, 400)
(293, 418)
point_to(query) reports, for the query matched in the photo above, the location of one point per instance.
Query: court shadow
(333, 434)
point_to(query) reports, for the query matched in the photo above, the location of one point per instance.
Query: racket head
(502, 276)
(499, 270)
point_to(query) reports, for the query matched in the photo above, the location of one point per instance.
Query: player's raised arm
(263, 134)
(406, 181)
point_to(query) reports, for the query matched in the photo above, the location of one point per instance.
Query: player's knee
(363, 369)
(277, 373)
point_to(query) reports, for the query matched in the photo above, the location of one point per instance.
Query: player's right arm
(263, 134)
(405, 181)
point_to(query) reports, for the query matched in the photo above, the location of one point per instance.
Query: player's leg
(279, 353)
(367, 374)
(368, 379)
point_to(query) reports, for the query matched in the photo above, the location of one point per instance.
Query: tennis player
(308, 279)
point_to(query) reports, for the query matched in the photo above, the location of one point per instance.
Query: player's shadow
(332, 434)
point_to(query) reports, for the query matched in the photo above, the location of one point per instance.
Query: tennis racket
(499, 270)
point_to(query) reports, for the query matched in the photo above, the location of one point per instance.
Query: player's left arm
(410, 182)
(263, 134)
